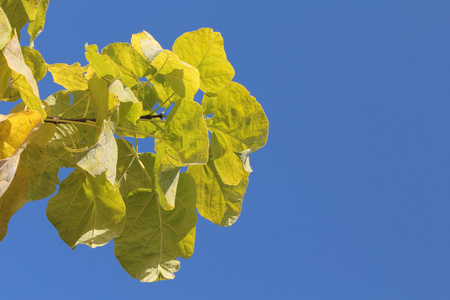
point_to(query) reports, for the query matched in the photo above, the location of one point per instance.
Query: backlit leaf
(104, 66)
(87, 210)
(204, 49)
(130, 108)
(35, 62)
(216, 201)
(239, 123)
(171, 75)
(146, 45)
(71, 77)
(36, 25)
(5, 29)
(16, 13)
(131, 63)
(154, 238)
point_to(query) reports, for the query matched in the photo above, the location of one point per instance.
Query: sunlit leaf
(5, 76)
(35, 62)
(148, 95)
(13, 199)
(37, 24)
(5, 29)
(130, 108)
(130, 173)
(154, 238)
(69, 76)
(204, 49)
(104, 66)
(131, 63)
(87, 210)
(16, 13)
(239, 123)
(146, 45)
(171, 75)
(103, 101)
(216, 201)
(15, 131)
(22, 75)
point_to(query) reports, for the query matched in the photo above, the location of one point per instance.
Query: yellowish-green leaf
(15, 131)
(13, 199)
(71, 77)
(5, 29)
(5, 76)
(154, 238)
(204, 49)
(130, 108)
(186, 133)
(22, 76)
(87, 210)
(36, 25)
(239, 123)
(103, 101)
(146, 45)
(101, 157)
(8, 168)
(216, 201)
(35, 62)
(104, 66)
(131, 63)
(171, 75)
(16, 13)
(148, 95)
(130, 173)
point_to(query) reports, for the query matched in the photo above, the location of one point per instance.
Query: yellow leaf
(15, 130)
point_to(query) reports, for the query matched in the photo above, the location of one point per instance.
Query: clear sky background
(350, 197)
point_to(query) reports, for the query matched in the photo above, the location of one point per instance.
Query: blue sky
(350, 197)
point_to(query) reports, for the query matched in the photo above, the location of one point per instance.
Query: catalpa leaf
(103, 100)
(239, 123)
(171, 75)
(101, 157)
(104, 66)
(204, 50)
(15, 131)
(130, 173)
(216, 201)
(131, 63)
(36, 25)
(23, 76)
(35, 62)
(6, 30)
(154, 238)
(5, 77)
(16, 13)
(14, 197)
(87, 210)
(146, 45)
(130, 109)
(71, 77)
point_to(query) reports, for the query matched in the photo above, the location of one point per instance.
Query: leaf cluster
(147, 202)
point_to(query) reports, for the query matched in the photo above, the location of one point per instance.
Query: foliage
(127, 92)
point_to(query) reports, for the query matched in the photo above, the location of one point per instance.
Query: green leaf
(16, 13)
(35, 62)
(146, 45)
(101, 157)
(239, 123)
(209, 103)
(130, 173)
(171, 75)
(87, 210)
(104, 66)
(13, 199)
(154, 238)
(60, 104)
(71, 77)
(5, 29)
(130, 108)
(204, 49)
(23, 76)
(103, 101)
(37, 24)
(5, 76)
(186, 133)
(131, 63)
(148, 95)
(216, 201)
